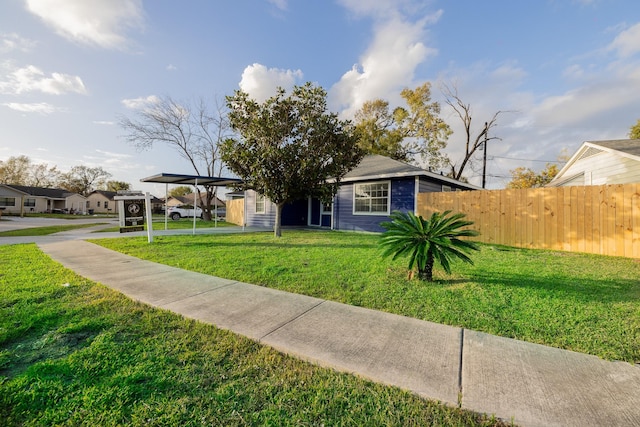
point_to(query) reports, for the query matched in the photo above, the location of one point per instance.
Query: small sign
(133, 212)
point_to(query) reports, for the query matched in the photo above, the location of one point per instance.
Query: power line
(526, 160)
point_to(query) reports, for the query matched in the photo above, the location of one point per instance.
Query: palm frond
(426, 241)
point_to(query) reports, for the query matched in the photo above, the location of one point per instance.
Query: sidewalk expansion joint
(460, 367)
(199, 293)
(288, 322)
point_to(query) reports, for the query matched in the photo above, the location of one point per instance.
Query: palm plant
(426, 241)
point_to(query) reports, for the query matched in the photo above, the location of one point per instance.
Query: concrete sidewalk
(531, 384)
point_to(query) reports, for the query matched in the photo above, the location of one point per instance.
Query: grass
(44, 231)
(580, 302)
(73, 352)
(158, 224)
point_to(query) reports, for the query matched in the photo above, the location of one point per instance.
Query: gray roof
(629, 146)
(374, 166)
(52, 193)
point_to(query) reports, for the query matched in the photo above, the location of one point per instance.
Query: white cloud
(104, 122)
(13, 42)
(171, 67)
(386, 67)
(32, 79)
(41, 107)
(261, 82)
(627, 43)
(95, 22)
(280, 4)
(140, 103)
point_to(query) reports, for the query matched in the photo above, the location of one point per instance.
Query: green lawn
(73, 352)
(44, 231)
(580, 302)
(158, 224)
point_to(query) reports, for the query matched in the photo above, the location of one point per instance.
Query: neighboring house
(101, 201)
(234, 195)
(187, 199)
(366, 197)
(21, 199)
(600, 163)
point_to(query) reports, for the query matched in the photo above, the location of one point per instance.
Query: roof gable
(629, 148)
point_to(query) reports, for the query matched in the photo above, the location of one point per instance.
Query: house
(21, 199)
(102, 201)
(366, 197)
(187, 199)
(600, 163)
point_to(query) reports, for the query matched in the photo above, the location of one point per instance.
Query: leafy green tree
(427, 241)
(290, 147)
(406, 133)
(180, 191)
(421, 123)
(634, 132)
(377, 133)
(522, 177)
(117, 186)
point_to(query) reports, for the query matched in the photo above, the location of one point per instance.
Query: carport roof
(174, 178)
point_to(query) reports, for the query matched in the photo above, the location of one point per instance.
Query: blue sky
(564, 71)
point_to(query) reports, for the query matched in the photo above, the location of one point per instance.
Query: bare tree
(474, 140)
(194, 130)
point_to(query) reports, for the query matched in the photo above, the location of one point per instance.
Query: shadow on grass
(584, 290)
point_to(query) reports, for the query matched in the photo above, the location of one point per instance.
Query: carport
(195, 180)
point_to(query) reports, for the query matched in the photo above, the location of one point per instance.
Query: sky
(561, 72)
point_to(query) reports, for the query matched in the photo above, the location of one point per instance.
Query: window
(30, 203)
(260, 203)
(98, 204)
(446, 188)
(106, 204)
(371, 198)
(7, 201)
(327, 208)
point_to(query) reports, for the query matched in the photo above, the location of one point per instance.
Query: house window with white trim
(372, 198)
(29, 203)
(327, 208)
(260, 205)
(446, 188)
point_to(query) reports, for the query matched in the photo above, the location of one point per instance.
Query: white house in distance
(21, 199)
(101, 201)
(602, 163)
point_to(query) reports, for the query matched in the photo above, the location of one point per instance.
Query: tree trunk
(277, 227)
(427, 273)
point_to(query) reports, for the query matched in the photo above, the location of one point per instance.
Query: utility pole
(484, 163)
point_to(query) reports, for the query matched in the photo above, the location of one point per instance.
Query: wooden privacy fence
(235, 211)
(594, 219)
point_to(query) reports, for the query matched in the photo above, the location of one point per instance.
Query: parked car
(183, 211)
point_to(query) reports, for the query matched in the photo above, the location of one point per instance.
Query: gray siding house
(366, 197)
(601, 163)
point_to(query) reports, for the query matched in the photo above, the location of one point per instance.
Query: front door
(320, 213)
